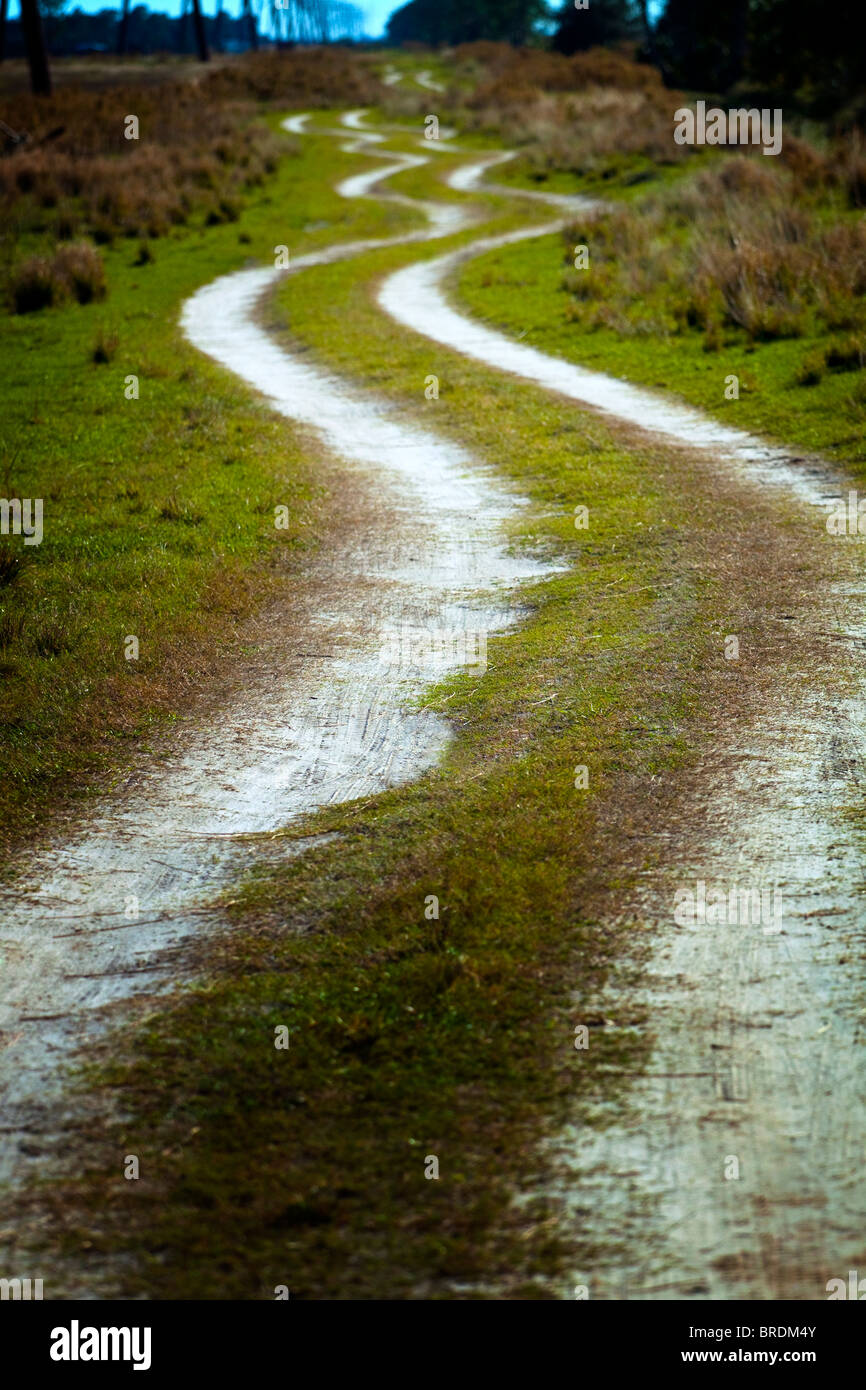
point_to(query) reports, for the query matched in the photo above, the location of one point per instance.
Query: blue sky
(375, 12)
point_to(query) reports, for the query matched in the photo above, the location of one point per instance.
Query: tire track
(106, 904)
(757, 1032)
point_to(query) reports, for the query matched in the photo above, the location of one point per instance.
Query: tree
(37, 57)
(702, 44)
(789, 48)
(200, 36)
(251, 22)
(778, 45)
(649, 38)
(602, 22)
(123, 28)
(454, 21)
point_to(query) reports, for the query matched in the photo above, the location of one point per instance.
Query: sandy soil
(105, 904)
(733, 1171)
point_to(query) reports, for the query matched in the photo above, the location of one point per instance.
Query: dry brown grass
(73, 272)
(76, 174)
(595, 130)
(578, 114)
(501, 69)
(312, 77)
(748, 244)
(847, 166)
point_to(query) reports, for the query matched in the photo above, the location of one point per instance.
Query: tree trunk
(34, 39)
(123, 28)
(649, 35)
(647, 29)
(200, 38)
(739, 40)
(251, 24)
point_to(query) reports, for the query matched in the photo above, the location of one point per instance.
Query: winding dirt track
(756, 1068)
(757, 1033)
(326, 724)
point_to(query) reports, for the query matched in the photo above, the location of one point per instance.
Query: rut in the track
(758, 1029)
(755, 1068)
(326, 721)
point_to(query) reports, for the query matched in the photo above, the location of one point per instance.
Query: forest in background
(778, 46)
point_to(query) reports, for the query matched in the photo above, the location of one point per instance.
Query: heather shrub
(76, 175)
(744, 246)
(847, 355)
(34, 285)
(81, 267)
(74, 271)
(586, 113)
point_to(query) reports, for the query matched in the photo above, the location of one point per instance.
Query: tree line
(702, 45)
(792, 46)
(42, 28)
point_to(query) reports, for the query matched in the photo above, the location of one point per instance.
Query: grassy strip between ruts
(522, 289)
(413, 1037)
(158, 511)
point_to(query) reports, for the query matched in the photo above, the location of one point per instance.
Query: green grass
(158, 512)
(413, 1037)
(623, 176)
(520, 289)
